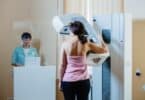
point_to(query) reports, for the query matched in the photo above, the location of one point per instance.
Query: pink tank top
(76, 69)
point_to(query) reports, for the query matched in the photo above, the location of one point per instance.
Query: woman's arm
(13, 59)
(63, 63)
(98, 49)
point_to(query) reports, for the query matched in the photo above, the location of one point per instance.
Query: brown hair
(78, 29)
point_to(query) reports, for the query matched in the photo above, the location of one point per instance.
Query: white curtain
(93, 7)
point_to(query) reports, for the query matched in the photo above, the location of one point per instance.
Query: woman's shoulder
(18, 47)
(21, 48)
(33, 48)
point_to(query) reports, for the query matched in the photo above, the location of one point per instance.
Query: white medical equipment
(60, 23)
(120, 74)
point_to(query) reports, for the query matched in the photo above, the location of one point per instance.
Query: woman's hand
(59, 86)
(17, 65)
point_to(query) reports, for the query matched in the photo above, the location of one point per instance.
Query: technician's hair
(26, 35)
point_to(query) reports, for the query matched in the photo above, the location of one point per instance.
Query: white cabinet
(34, 83)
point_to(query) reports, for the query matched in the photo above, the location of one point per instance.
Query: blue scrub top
(18, 56)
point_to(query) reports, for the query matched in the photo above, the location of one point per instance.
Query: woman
(24, 50)
(74, 77)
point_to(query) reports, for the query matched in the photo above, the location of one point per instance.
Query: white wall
(136, 8)
(42, 13)
(36, 13)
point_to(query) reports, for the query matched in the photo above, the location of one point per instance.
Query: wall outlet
(138, 72)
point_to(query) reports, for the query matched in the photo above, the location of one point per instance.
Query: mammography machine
(112, 74)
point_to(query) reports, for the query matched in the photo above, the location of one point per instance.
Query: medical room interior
(120, 75)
